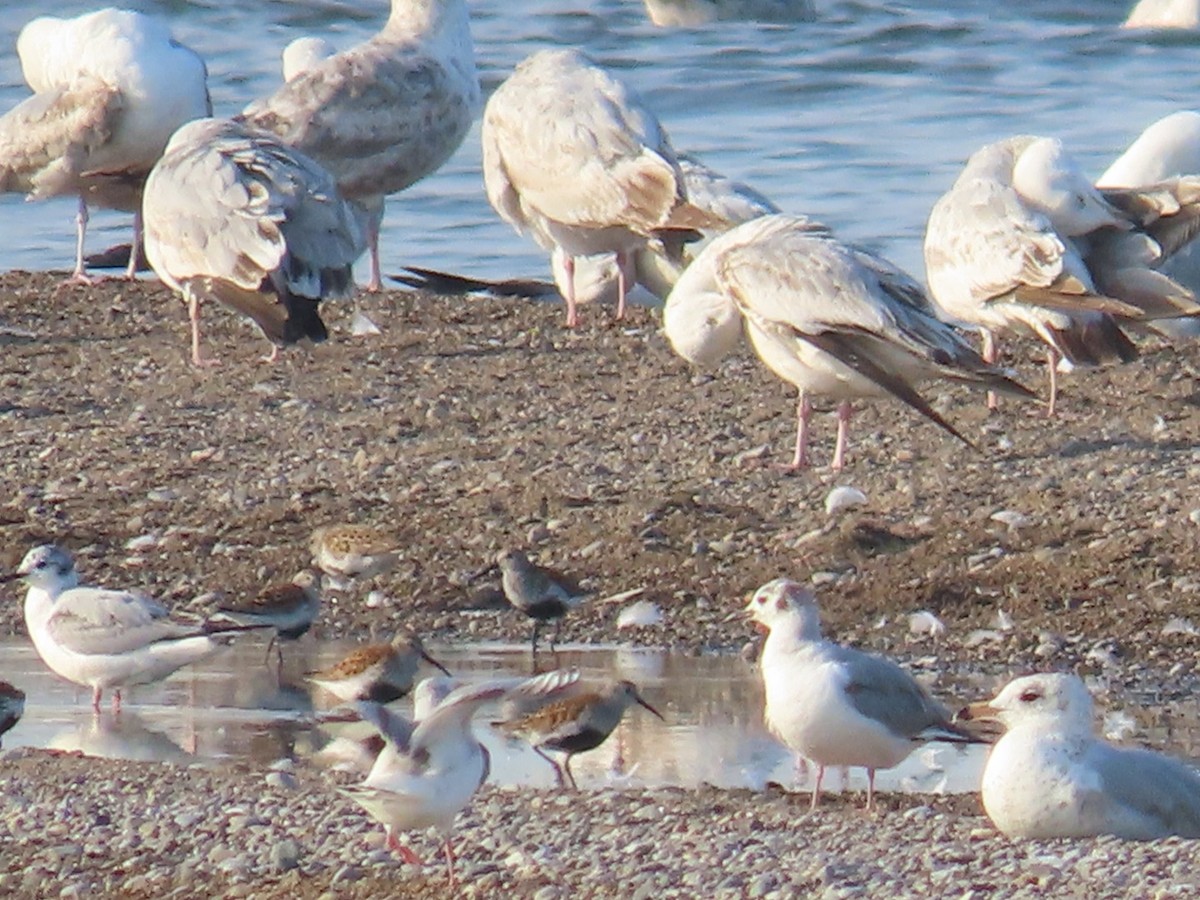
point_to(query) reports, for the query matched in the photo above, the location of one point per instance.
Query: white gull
(834, 705)
(573, 156)
(110, 87)
(105, 638)
(1049, 776)
(234, 215)
(832, 319)
(1164, 14)
(1024, 243)
(385, 113)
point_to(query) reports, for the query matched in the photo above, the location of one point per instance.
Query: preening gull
(105, 638)
(234, 215)
(1024, 242)
(1049, 776)
(110, 88)
(572, 155)
(832, 319)
(1168, 148)
(834, 705)
(386, 113)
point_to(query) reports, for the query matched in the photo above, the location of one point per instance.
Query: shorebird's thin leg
(569, 269)
(816, 794)
(557, 634)
(558, 773)
(570, 774)
(870, 789)
(1052, 359)
(270, 647)
(135, 250)
(991, 355)
(537, 624)
(843, 435)
(622, 287)
(803, 414)
(96, 692)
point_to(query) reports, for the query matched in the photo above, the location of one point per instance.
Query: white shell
(925, 622)
(642, 614)
(843, 497)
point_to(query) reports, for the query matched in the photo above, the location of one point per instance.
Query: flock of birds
(267, 212)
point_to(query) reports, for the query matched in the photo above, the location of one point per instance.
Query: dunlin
(379, 673)
(346, 550)
(12, 705)
(540, 592)
(290, 608)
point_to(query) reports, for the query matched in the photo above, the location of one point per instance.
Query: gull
(1169, 148)
(579, 722)
(105, 638)
(830, 318)
(385, 113)
(429, 770)
(1164, 14)
(691, 13)
(347, 550)
(380, 673)
(233, 215)
(110, 87)
(542, 593)
(1049, 776)
(834, 705)
(12, 705)
(289, 608)
(573, 156)
(1024, 243)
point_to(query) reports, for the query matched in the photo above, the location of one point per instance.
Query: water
(232, 708)
(861, 119)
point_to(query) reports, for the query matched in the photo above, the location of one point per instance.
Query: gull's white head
(48, 567)
(789, 605)
(1052, 701)
(305, 54)
(430, 692)
(1049, 181)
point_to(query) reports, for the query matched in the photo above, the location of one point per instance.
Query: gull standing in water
(1024, 242)
(429, 770)
(386, 113)
(110, 88)
(1049, 776)
(104, 638)
(835, 705)
(573, 156)
(234, 215)
(832, 319)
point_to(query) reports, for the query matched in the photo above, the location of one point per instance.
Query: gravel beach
(469, 426)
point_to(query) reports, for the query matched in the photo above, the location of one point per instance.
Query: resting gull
(1023, 242)
(234, 215)
(105, 638)
(834, 705)
(110, 87)
(572, 155)
(386, 113)
(832, 319)
(1049, 776)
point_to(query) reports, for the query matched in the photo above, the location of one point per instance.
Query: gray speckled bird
(539, 592)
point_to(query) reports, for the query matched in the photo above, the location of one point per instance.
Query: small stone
(285, 855)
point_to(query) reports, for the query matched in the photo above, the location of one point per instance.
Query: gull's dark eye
(1030, 696)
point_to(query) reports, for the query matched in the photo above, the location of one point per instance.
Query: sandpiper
(539, 592)
(576, 723)
(12, 704)
(834, 705)
(290, 608)
(347, 550)
(379, 673)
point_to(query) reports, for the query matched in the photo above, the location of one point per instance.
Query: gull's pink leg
(80, 275)
(843, 432)
(799, 768)
(96, 692)
(991, 355)
(135, 251)
(376, 282)
(450, 862)
(1052, 358)
(803, 413)
(816, 794)
(870, 789)
(198, 360)
(116, 700)
(569, 268)
(622, 287)
(404, 852)
(273, 356)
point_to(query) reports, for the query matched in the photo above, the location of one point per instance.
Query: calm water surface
(860, 119)
(232, 707)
